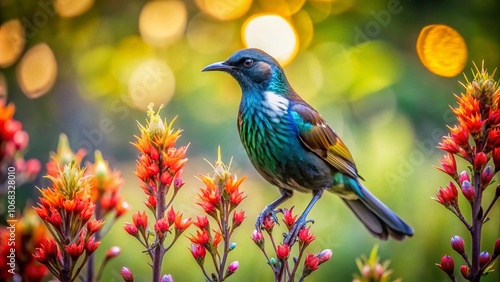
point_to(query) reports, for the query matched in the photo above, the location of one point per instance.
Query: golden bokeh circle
(11, 42)
(442, 50)
(162, 22)
(273, 34)
(37, 71)
(72, 8)
(224, 10)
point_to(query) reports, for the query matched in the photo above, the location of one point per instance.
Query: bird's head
(255, 70)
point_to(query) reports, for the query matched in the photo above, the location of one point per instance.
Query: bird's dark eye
(248, 63)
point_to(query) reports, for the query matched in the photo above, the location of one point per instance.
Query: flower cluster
(475, 139)
(28, 233)
(66, 209)
(283, 269)
(371, 270)
(159, 169)
(220, 196)
(13, 143)
(104, 191)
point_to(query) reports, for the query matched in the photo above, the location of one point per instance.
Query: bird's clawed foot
(266, 219)
(292, 235)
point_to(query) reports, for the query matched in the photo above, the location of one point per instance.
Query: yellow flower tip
(156, 127)
(64, 154)
(101, 166)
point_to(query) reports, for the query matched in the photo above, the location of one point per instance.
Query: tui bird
(293, 148)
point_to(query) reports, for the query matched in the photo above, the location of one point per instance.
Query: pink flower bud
(127, 274)
(447, 265)
(486, 176)
(232, 267)
(457, 243)
(113, 252)
(480, 160)
(166, 278)
(484, 258)
(464, 175)
(258, 238)
(21, 139)
(468, 191)
(324, 256)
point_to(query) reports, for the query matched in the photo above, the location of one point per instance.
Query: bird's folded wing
(318, 137)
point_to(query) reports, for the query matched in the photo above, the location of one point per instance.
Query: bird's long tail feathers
(377, 217)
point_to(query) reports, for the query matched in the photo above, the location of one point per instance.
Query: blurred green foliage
(371, 88)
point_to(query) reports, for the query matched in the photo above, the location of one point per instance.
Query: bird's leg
(269, 209)
(301, 221)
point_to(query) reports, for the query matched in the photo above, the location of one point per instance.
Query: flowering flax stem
(90, 264)
(159, 249)
(477, 223)
(66, 270)
(225, 234)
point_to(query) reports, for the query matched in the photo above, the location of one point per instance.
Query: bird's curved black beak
(219, 66)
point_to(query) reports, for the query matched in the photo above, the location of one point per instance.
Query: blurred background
(90, 68)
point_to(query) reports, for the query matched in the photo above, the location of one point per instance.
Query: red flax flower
(66, 209)
(13, 143)
(158, 167)
(478, 116)
(29, 233)
(219, 196)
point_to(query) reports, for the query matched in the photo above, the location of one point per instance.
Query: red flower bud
(283, 251)
(494, 118)
(153, 153)
(457, 243)
(238, 218)
(460, 135)
(496, 158)
(464, 175)
(449, 165)
(486, 176)
(447, 265)
(484, 259)
(198, 252)
(161, 226)
(447, 196)
(131, 229)
(465, 271)
(288, 218)
(166, 178)
(268, 223)
(496, 249)
(91, 245)
(201, 222)
(311, 262)
(480, 160)
(140, 220)
(305, 236)
(127, 274)
(468, 191)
